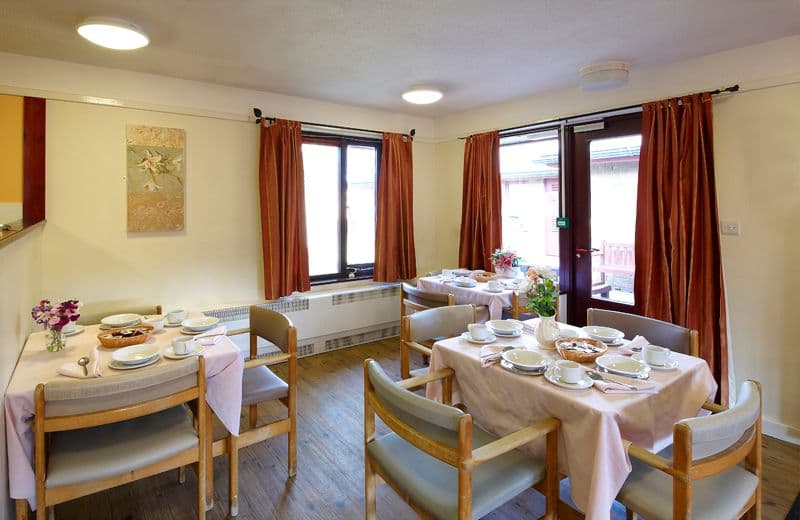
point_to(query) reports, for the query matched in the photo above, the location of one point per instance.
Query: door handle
(581, 250)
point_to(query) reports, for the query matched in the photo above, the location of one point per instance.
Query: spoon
(83, 362)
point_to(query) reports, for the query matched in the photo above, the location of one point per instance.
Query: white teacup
(176, 316)
(69, 327)
(655, 355)
(478, 331)
(569, 371)
(183, 345)
(155, 320)
(494, 285)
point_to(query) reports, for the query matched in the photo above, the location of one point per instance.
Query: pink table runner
(224, 365)
(465, 295)
(596, 428)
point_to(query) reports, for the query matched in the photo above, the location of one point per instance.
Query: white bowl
(200, 324)
(604, 334)
(505, 327)
(525, 359)
(156, 320)
(121, 320)
(135, 354)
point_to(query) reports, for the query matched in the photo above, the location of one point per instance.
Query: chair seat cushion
(433, 485)
(88, 454)
(259, 384)
(648, 492)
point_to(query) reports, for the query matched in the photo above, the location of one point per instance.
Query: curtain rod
(583, 117)
(258, 113)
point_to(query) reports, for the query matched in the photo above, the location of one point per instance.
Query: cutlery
(505, 349)
(597, 377)
(83, 362)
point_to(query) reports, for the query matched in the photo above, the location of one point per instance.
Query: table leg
(209, 460)
(22, 509)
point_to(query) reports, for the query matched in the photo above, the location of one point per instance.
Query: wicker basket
(483, 276)
(115, 339)
(580, 357)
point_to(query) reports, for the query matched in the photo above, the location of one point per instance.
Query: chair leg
(253, 416)
(21, 509)
(233, 476)
(405, 371)
(182, 475)
(369, 491)
(209, 466)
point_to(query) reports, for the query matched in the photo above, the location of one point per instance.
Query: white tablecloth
(224, 365)
(473, 295)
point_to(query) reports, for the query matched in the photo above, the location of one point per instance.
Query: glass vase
(57, 341)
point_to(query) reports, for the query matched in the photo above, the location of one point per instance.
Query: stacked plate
(116, 321)
(136, 356)
(465, 281)
(194, 326)
(623, 366)
(526, 362)
(505, 328)
(607, 335)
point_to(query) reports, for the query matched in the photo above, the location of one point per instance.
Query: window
(340, 181)
(529, 172)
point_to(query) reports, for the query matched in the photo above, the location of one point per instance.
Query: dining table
(224, 366)
(596, 427)
(479, 295)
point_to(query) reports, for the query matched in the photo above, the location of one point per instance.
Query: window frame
(362, 271)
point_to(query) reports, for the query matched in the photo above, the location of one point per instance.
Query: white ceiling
(366, 52)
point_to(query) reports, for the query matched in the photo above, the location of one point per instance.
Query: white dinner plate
(168, 324)
(200, 324)
(169, 352)
(503, 335)
(526, 360)
(135, 354)
(623, 365)
(604, 334)
(552, 376)
(77, 330)
(671, 364)
(491, 339)
(119, 366)
(189, 332)
(121, 320)
(511, 368)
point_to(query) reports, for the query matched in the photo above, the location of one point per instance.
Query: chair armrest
(427, 378)
(413, 345)
(713, 407)
(653, 460)
(236, 332)
(513, 441)
(266, 361)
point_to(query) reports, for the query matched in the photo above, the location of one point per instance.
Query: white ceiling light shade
(113, 33)
(422, 95)
(605, 75)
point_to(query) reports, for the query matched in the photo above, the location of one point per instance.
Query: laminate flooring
(330, 478)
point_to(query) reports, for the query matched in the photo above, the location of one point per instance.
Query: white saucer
(188, 332)
(77, 330)
(169, 352)
(552, 376)
(492, 338)
(168, 324)
(672, 364)
(114, 365)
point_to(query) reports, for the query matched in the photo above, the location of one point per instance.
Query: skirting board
(780, 431)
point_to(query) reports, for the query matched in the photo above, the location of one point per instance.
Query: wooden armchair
(415, 299)
(676, 338)
(700, 475)
(420, 330)
(439, 461)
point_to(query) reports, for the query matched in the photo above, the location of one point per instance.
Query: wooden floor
(329, 481)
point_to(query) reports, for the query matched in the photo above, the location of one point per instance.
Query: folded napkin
(73, 369)
(637, 343)
(528, 328)
(610, 387)
(211, 337)
(492, 354)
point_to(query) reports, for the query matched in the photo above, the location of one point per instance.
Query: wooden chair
(93, 318)
(519, 306)
(700, 475)
(657, 332)
(420, 330)
(101, 433)
(439, 461)
(259, 385)
(415, 299)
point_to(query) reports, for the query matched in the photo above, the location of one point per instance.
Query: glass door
(605, 166)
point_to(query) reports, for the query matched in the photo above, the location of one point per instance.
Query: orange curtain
(395, 257)
(481, 231)
(283, 213)
(678, 260)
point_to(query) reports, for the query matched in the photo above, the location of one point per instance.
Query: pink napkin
(73, 369)
(211, 337)
(528, 328)
(639, 342)
(491, 354)
(610, 387)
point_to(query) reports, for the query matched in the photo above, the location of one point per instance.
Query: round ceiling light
(113, 33)
(422, 95)
(604, 76)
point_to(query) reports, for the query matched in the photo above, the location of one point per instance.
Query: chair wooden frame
(463, 457)
(517, 307)
(44, 426)
(425, 348)
(684, 470)
(406, 303)
(694, 336)
(258, 433)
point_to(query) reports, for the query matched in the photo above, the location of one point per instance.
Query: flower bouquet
(54, 318)
(543, 300)
(506, 262)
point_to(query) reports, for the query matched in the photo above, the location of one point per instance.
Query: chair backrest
(414, 413)
(657, 332)
(152, 386)
(714, 434)
(442, 322)
(273, 327)
(419, 300)
(93, 317)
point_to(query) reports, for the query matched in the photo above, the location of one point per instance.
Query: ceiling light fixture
(112, 33)
(605, 75)
(422, 95)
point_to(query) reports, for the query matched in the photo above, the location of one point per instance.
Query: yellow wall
(10, 148)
